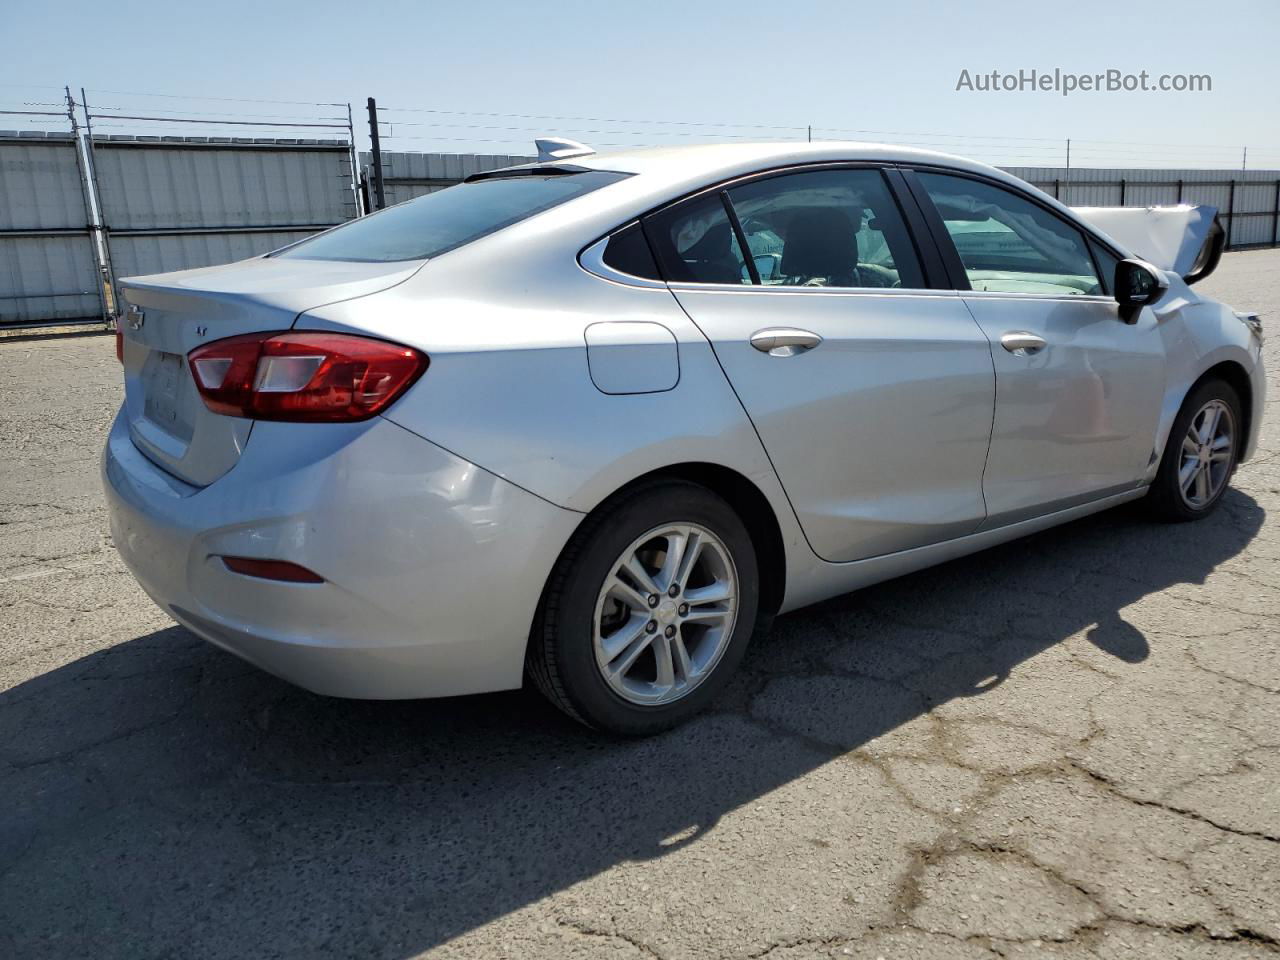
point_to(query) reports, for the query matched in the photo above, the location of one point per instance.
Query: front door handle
(1022, 344)
(784, 341)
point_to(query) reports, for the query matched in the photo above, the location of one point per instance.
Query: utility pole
(1244, 159)
(379, 194)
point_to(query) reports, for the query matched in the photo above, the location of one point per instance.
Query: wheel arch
(751, 506)
(1237, 377)
(756, 513)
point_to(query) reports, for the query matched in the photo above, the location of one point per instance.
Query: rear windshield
(449, 218)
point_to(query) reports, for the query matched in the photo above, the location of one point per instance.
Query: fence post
(1056, 181)
(108, 278)
(1179, 189)
(355, 163)
(1122, 186)
(379, 194)
(1231, 206)
(1275, 218)
(90, 228)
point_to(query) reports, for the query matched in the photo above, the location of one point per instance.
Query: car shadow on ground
(165, 799)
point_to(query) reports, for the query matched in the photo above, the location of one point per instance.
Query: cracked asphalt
(1066, 747)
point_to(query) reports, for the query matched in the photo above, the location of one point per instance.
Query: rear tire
(648, 611)
(1200, 455)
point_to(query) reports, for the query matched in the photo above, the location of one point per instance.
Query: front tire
(1200, 455)
(648, 611)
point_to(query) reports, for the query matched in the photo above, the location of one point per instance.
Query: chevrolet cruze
(595, 420)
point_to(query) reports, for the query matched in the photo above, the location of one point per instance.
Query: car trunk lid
(168, 315)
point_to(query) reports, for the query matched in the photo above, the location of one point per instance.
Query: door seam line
(754, 429)
(995, 405)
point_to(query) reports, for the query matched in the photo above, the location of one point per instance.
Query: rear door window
(826, 228)
(813, 228)
(449, 218)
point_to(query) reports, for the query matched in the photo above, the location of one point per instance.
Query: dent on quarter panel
(632, 357)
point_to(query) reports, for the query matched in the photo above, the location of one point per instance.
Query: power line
(238, 123)
(187, 96)
(220, 113)
(953, 136)
(536, 116)
(748, 126)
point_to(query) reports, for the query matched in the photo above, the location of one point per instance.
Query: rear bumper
(432, 566)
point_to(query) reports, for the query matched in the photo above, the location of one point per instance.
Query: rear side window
(628, 252)
(447, 219)
(1009, 244)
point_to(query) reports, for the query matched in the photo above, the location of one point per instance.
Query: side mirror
(1137, 284)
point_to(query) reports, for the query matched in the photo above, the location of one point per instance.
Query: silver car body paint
(555, 381)
(892, 364)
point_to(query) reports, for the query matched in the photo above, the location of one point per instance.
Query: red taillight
(119, 342)
(306, 377)
(271, 570)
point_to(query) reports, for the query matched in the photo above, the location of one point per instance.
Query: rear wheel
(648, 611)
(1200, 455)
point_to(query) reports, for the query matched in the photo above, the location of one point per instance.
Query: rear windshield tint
(449, 218)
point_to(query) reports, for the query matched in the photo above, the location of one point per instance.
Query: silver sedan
(596, 420)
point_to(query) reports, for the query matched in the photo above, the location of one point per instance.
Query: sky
(489, 76)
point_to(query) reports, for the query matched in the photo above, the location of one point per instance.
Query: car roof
(728, 158)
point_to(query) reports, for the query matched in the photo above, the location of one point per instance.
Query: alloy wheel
(1206, 453)
(665, 614)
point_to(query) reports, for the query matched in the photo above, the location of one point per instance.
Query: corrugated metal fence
(173, 203)
(163, 203)
(48, 270)
(409, 175)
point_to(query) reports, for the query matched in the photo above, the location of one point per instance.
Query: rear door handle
(1022, 343)
(784, 341)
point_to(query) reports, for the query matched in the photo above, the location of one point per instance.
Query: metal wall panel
(150, 185)
(408, 175)
(40, 184)
(48, 278)
(138, 255)
(47, 267)
(1140, 194)
(174, 203)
